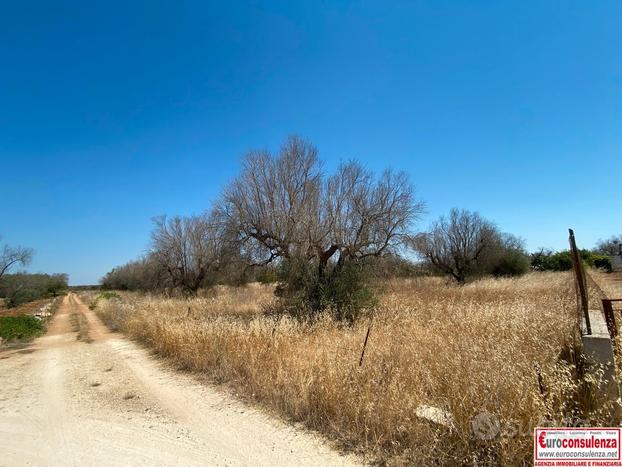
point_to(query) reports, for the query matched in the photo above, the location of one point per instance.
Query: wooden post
(580, 280)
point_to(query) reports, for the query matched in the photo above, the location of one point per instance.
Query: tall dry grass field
(467, 350)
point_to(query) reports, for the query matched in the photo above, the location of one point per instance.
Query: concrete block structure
(598, 349)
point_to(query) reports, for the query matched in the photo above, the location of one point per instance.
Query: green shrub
(561, 261)
(19, 297)
(108, 295)
(344, 291)
(546, 260)
(339, 289)
(511, 263)
(105, 295)
(20, 327)
(601, 262)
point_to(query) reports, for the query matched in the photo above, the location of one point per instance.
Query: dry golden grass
(610, 284)
(466, 350)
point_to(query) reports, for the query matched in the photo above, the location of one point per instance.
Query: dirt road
(107, 402)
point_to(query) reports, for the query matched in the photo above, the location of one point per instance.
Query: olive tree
(464, 243)
(283, 207)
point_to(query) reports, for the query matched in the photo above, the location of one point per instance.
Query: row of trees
(548, 260)
(319, 235)
(189, 253)
(186, 254)
(282, 213)
(465, 245)
(21, 288)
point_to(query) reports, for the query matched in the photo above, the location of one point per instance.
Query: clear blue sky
(114, 112)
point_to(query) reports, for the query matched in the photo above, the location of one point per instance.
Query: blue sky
(114, 112)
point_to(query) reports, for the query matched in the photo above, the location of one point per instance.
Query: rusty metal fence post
(610, 318)
(365, 345)
(580, 280)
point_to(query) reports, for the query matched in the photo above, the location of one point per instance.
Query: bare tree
(457, 245)
(284, 207)
(368, 217)
(12, 256)
(188, 249)
(274, 203)
(611, 246)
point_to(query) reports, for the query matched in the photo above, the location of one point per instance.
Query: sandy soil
(107, 402)
(615, 282)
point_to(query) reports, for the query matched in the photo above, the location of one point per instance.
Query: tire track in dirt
(67, 402)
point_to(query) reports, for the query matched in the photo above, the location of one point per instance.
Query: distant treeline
(78, 288)
(145, 275)
(20, 288)
(548, 260)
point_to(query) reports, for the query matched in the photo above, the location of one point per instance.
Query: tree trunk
(323, 260)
